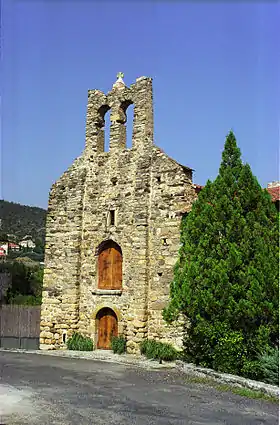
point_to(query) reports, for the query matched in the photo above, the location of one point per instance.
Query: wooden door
(107, 327)
(110, 267)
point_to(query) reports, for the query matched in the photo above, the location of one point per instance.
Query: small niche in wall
(159, 274)
(114, 181)
(64, 337)
(158, 179)
(112, 217)
(164, 242)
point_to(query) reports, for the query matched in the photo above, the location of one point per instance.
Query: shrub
(158, 350)
(80, 343)
(118, 344)
(149, 348)
(251, 369)
(228, 352)
(269, 365)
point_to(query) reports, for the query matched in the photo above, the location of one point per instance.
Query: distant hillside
(22, 220)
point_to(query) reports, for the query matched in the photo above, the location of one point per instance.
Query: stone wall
(60, 297)
(172, 196)
(148, 191)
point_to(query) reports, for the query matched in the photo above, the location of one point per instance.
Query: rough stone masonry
(113, 229)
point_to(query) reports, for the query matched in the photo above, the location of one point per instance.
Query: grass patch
(244, 392)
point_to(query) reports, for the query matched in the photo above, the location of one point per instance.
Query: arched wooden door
(110, 266)
(107, 325)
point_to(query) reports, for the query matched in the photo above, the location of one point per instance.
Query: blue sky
(215, 67)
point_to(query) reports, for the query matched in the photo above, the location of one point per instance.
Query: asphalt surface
(38, 389)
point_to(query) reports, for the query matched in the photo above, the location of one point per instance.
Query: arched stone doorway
(107, 326)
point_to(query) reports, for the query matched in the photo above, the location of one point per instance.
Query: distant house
(27, 243)
(198, 188)
(13, 246)
(273, 189)
(3, 248)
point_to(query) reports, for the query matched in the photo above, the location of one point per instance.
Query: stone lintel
(107, 292)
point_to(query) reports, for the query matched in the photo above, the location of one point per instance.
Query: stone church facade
(113, 229)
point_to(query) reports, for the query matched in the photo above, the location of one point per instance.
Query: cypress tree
(226, 278)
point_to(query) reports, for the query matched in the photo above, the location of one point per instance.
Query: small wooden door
(107, 327)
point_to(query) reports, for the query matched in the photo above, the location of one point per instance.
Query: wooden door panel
(102, 326)
(105, 269)
(116, 269)
(107, 327)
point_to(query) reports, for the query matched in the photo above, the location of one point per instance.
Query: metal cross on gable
(120, 75)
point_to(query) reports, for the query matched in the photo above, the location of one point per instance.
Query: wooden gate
(19, 326)
(107, 324)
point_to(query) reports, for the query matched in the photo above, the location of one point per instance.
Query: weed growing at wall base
(118, 344)
(158, 350)
(80, 343)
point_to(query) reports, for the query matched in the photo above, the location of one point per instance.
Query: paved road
(41, 390)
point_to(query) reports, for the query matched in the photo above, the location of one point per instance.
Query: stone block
(61, 326)
(45, 328)
(49, 324)
(46, 346)
(46, 334)
(158, 305)
(139, 324)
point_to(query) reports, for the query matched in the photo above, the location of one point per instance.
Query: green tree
(39, 246)
(27, 282)
(20, 279)
(226, 278)
(36, 281)
(3, 237)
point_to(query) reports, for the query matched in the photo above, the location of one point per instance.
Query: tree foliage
(226, 278)
(21, 220)
(27, 282)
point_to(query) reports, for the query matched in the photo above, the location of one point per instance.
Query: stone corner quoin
(113, 230)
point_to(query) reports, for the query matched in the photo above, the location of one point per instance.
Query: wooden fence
(19, 326)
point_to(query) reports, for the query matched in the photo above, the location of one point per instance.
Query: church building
(113, 229)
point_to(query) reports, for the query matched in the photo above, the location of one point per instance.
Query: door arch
(107, 326)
